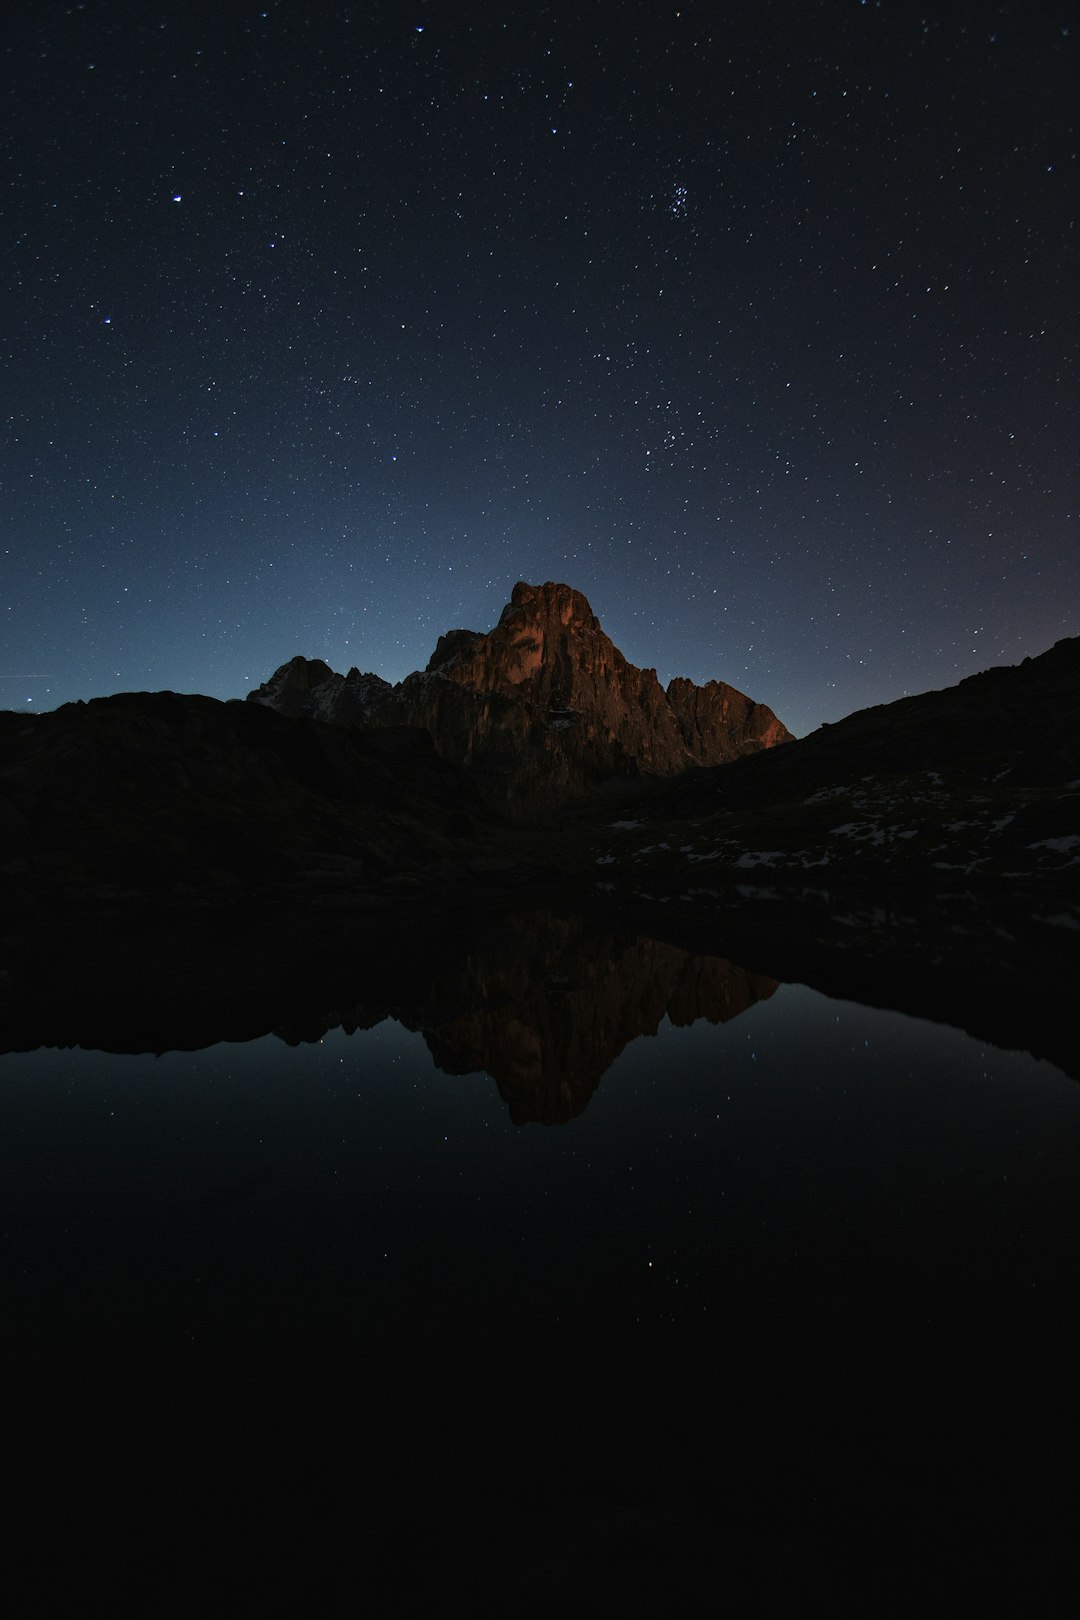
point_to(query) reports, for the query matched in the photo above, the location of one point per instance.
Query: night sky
(325, 323)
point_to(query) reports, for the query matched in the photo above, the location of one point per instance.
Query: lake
(605, 1266)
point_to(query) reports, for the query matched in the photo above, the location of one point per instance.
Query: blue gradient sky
(326, 323)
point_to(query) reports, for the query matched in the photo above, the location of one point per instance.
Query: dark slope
(168, 797)
(981, 779)
(1022, 719)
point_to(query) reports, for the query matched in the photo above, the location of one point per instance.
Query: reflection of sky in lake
(807, 1144)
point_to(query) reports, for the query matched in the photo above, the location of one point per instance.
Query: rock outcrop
(541, 707)
(308, 689)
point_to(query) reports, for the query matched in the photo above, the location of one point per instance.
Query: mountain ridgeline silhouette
(531, 755)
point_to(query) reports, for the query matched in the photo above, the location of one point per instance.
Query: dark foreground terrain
(171, 802)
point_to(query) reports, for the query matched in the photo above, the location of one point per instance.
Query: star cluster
(325, 323)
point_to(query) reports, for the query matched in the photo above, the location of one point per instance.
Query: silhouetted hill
(158, 795)
(981, 779)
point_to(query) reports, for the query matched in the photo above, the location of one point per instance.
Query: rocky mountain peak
(547, 646)
(542, 706)
(549, 604)
(306, 688)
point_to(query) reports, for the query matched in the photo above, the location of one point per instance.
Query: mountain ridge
(541, 707)
(165, 799)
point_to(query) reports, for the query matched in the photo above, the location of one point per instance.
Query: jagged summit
(537, 623)
(306, 688)
(542, 706)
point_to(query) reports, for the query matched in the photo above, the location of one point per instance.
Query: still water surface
(812, 1142)
(666, 1285)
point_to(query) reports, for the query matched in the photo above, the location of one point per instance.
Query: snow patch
(824, 794)
(862, 830)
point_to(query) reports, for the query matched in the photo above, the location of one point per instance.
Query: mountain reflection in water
(546, 1003)
(543, 999)
(792, 1274)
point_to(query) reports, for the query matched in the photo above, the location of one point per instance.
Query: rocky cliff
(541, 707)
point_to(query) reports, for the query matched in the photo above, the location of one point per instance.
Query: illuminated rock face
(541, 707)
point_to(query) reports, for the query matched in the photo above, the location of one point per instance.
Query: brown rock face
(715, 721)
(543, 706)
